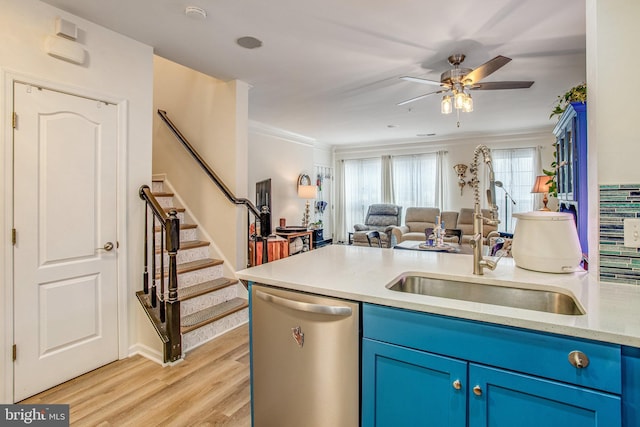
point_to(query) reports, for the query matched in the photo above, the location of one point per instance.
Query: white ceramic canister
(546, 241)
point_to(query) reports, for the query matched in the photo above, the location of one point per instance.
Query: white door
(65, 274)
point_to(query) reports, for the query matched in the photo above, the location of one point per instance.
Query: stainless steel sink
(530, 299)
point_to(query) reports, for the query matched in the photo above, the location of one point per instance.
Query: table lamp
(541, 185)
(306, 191)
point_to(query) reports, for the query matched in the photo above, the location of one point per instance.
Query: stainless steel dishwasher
(305, 359)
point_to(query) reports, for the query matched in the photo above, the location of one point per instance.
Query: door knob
(477, 390)
(457, 385)
(107, 247)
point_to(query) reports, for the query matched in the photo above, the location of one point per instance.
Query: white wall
(118, 69)
(282, 160)
(614, 142)
(212, 115)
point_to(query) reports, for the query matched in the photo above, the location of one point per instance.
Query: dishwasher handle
(332, 310)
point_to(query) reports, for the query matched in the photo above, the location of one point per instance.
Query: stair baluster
(154, 295)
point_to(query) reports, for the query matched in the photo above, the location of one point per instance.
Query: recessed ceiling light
(195, 12)
(426, 134)
(249, 42)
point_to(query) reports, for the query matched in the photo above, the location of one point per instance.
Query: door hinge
(14, 234)
(14, 119)
(15, 352)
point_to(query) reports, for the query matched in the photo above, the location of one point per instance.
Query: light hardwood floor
(210, 387)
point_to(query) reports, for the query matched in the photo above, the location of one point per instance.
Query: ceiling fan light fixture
(458, 100)
(446, 106)
(467, 105)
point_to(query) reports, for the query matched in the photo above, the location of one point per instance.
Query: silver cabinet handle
(107, 247)
(578, 359)
(331, 310)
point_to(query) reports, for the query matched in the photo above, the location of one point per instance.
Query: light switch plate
(632, 232)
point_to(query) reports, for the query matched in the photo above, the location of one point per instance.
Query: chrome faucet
(479, 263)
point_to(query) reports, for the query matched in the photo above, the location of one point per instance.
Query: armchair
(380, 217)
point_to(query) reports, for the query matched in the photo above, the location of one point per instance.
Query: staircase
(210, 304)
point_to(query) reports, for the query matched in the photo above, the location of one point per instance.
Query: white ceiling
(329, 70)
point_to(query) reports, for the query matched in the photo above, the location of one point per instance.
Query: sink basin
(530, 299)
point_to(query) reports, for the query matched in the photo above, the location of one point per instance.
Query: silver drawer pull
(578, 359)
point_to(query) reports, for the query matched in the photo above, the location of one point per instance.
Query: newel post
(173, 304)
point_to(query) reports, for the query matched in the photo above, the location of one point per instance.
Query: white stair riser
(186, 234)
(212, 330)
(165, 201)
(186, 255)
(196, 276)
(207, 300)
(157, 186)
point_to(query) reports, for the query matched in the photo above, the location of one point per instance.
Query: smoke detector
(195, 12)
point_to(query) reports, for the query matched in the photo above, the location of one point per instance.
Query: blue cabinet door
(507, 399)
(405, 387)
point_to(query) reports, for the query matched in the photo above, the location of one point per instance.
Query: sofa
(418, 219)
(381, 217)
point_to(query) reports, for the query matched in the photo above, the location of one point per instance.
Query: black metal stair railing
(162, 307)
(263, 217)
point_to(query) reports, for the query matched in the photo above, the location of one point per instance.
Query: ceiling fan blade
(502, 85)
(487, 68)
(421, 81)
(421, 97)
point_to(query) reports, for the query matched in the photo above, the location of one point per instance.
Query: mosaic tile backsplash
(618, 263)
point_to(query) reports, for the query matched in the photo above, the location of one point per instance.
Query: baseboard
(147, 352)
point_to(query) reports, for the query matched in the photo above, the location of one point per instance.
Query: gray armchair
(380, 217)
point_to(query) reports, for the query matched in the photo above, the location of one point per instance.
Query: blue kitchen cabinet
(405, 387)
(571, 176)
(505, 376)
(500, 398)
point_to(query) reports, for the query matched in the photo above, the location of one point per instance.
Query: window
(516, 169)
(362, 187)
(414, 180)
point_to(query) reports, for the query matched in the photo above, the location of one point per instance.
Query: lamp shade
(307, 191)
(541, 185)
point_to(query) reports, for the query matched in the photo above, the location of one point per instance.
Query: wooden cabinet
(422, 369)
(571, 156)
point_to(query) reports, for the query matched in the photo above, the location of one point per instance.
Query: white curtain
(516, 169)
(388, 195)
(442, 183)
(340, 229)
(414, 180)
(362, 187)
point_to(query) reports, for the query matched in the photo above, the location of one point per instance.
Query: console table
(306, 236)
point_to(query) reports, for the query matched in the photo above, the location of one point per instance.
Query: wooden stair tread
(204, 288)
(182, 227)
(189, 244)
(192, 266)
(211, 314)
(162, 194)
(173, 208)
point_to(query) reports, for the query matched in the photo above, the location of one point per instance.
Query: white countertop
(361, 274)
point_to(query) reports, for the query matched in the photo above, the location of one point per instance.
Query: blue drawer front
(519, 350)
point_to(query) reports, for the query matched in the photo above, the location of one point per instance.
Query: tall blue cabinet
(571, 155)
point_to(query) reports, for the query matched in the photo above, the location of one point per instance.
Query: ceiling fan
(459, 81)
